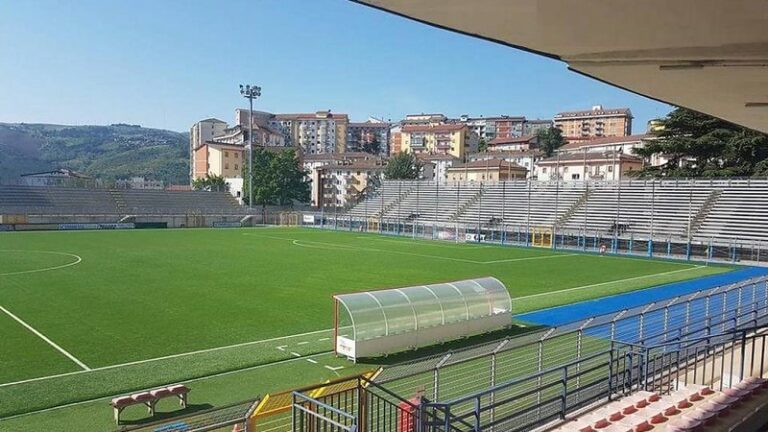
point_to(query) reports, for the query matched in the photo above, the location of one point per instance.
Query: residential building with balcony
(532, 127)
(343, 183)
(321, 132)
(610, 165)
(489, 128)
(364, 133)
(488, 170)
(453, 139)
(597, 122)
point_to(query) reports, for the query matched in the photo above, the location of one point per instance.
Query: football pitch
(89, 314)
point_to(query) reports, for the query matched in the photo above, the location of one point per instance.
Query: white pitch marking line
(323, 339)
(77, 260)
(313, 361)
(428, 242)
(295, 354)
(332, 368)
(302, 343)
(220, 374)
(332, 246)
(282, 347)
(120, 365)
(609, 282)
(44, 338)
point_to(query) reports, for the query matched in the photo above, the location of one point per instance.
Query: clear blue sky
(168, 63)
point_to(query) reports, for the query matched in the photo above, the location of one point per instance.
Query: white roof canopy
(375, 314)
(707, 55)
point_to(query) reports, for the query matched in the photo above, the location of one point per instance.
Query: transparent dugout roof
(374, 314)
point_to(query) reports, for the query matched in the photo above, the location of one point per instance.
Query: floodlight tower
(250, 92)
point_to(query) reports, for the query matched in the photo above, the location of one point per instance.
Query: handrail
(753, 329)
(515, 381)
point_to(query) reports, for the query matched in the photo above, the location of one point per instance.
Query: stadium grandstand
(715, 219)
(40, 207)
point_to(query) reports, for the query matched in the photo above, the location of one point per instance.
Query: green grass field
(86, 315)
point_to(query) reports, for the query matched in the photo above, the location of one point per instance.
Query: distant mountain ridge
(107, 152)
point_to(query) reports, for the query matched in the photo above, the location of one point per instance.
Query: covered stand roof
(375, 314)
(707, 55)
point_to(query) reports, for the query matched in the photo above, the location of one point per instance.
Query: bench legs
(117, 412)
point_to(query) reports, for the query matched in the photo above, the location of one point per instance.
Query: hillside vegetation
(107, 152)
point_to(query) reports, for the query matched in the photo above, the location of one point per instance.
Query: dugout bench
(149, 399)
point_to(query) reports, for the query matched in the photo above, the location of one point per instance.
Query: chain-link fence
(707, 220)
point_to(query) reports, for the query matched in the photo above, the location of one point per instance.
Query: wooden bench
(149, 399)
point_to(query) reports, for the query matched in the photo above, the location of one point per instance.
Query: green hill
(107, 152)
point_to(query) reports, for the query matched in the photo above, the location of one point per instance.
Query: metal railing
(532, 379)
(550, 395)
(464, 371)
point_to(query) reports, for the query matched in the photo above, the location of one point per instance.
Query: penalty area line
(46, 340)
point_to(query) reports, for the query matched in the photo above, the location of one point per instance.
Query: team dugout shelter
(387, 321)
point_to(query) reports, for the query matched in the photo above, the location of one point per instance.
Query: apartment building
(596, 122)
(341, 182)
(424, 119)
(610, 165)
(532, 127)
(453, 139)
(219, 158)
(525, 158)
(489, 128)
(200, 133)
(489, 170)
(321, 132)
(526, 142)
(395, 139)
(434, 167)
(359, 135)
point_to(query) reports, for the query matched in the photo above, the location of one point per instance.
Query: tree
(403, 166)
(278, 179)
(210, 183)
(482, 146)
(372, 146)
(550, 139)
(290, 180)
(699, 145)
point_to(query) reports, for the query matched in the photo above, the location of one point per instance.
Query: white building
(524, 158)
(435, 166)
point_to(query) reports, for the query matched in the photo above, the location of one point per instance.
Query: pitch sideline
(46, 340)
(121, 365)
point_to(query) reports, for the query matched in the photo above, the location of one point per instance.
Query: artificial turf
(143, 294)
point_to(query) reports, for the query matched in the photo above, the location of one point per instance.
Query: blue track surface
(560, 315)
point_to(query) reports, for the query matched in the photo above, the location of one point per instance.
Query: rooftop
(590, 157)
(596, 142)
(452, 127)
(433, 157)
(369, 124)
(512, 140)
(490, 164)
(595, 111)
(339, 156)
